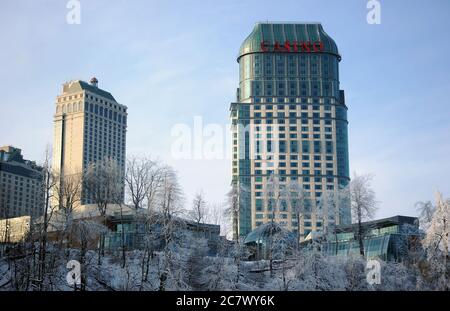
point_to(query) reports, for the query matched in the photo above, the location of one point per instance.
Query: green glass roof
(282, 32)
(264, 232)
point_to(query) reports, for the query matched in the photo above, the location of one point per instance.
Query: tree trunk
(143, 279)
(446, 241)
(298, 231)
(123, 239)
(336, 240)
(360, 237)
(83, 264)
(43, 244)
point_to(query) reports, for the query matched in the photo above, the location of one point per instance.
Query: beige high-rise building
(89, 126)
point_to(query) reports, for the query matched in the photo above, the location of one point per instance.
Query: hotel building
(289, 124)
(21, 192)
(89, 126)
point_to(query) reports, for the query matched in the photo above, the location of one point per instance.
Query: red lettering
(318, 46)
(306, 46)
(295, 46)
(277, 47)
(264, 46)
(287, 46)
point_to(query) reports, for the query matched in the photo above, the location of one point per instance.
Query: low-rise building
(14, 230)
(389, 239)
(130, 228)
(135, 228)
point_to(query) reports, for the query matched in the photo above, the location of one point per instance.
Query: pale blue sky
(169, 61)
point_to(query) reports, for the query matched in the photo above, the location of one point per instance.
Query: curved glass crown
(282, 32)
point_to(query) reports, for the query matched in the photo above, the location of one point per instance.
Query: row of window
(305, 187)
(108, 104)
(309, 137)
(294, 135)
(251, 65)
(291, 100)
(294, 115)
(106, 113)
(292, 157)
(292, 107)
(17, 178)
(282, 128)
(315, 90)
(293, 172)
(296, 122)
(306, 223)
(69, 97)
(292, 164)
(284, 224)
(93, 98)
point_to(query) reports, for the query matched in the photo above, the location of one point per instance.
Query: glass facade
(289, 121)
(388, 239)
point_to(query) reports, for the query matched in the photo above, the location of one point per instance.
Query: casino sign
(294, 46)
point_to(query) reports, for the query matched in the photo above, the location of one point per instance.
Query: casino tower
(289, 127)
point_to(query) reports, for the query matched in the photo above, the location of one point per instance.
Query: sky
(170, 61)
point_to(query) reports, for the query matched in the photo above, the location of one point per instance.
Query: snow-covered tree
(218, 274)
(314, 271)
(355, 273)
(104, 185)
(217, 215)
(436, 243)
(426, 210)
(331, 209)
(141, 178)
(83, 232)
(198, 213)
(170, 207)
(363, 204)
(195, 261)
(233, 209)
(67, 196)
(154, 185)
(67, 192)
(299, 203)
(274, 194)
(396, 277)
(48, 184)
(150, 241)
